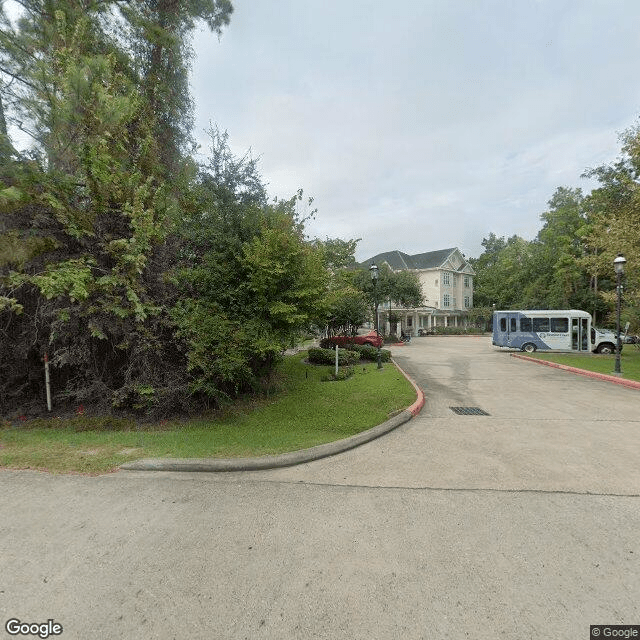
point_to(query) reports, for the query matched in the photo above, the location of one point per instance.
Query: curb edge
(285, 459)
(630, 384)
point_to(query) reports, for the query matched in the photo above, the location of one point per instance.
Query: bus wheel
(606, 347)
(529, 347)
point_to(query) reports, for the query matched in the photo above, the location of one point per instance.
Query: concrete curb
(416, 407)
(631, 384)
(284, 459)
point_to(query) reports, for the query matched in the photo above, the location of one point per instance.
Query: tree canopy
(570, 262)
(153, 283)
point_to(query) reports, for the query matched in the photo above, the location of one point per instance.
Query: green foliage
(344, 373)
(337, 254)
(570, 263)
(346, 357)
(457, 331)
(401, 288)
(250, 283)
(367, 352)
(153, 285)
(347, 309)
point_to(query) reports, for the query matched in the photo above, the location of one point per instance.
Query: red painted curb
(631, 384)
(416, 407)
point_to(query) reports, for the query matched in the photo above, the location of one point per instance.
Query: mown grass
(629, 361)
(304, 412)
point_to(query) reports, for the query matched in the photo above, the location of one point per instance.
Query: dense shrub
(392, 338)
(457, 331)
(328, 356)
(367, 352)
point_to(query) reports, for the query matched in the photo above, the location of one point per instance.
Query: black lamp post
(373, 269)
(618, 265)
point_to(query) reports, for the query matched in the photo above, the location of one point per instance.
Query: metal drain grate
(469, 411)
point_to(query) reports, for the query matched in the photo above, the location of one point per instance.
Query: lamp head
(373, 269)
(618, 264)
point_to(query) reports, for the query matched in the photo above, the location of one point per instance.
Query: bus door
(580, 334)
(504, 328)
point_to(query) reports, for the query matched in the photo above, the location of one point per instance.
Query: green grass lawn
(305, 412)
(629, 361)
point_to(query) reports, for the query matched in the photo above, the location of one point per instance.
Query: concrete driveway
(520, 524)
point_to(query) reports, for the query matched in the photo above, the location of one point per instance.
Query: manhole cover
(469, 411)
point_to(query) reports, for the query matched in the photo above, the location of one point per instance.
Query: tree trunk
(3, 122)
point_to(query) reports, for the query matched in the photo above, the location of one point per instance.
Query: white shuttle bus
(550, 330)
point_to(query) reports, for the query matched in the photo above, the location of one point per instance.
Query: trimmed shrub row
(456, 331)
(347, 357)
(367, 352)
(328, 356)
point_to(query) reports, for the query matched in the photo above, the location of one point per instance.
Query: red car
(372, 338)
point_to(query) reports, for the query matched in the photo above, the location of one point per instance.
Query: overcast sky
(423, 124)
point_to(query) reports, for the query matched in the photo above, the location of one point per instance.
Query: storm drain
(469, 411)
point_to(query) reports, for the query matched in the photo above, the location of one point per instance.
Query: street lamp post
(373, 269)
(618, 265)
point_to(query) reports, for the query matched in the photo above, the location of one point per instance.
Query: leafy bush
(392, 338)
(457, 331)
(367, 352)
(328, 356)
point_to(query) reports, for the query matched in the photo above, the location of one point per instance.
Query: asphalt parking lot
(523, 523)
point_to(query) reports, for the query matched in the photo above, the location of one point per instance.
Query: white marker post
(336, 361)
(46, 380)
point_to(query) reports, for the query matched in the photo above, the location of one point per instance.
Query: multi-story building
(447, 288)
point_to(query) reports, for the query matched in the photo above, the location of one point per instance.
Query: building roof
(431, 260)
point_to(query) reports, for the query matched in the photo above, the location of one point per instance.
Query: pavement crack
(450, 489)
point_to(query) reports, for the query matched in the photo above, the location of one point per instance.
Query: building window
(446, 278)
(467, 282)
(467, 302)
(446, 301)
(455, 282)
(436, 282)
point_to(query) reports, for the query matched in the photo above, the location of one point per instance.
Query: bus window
(513, 324)
(525, 324)
(541, 324)
(503, 324)
(560, 325)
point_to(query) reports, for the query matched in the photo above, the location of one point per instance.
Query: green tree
(86, 213)
(615, 227)
(502, 272)
(159, 34)
(338, 254)
(398, 288)
(249, 282)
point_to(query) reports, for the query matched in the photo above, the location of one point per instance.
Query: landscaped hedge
(328, 356)
(367, 352)
(456, 331)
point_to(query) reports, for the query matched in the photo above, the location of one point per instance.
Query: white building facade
(446, 278)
